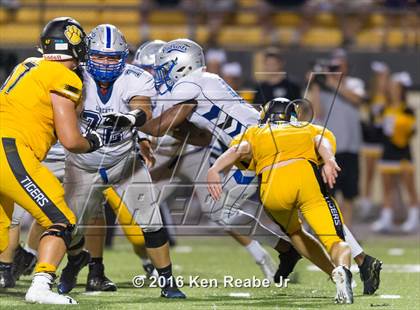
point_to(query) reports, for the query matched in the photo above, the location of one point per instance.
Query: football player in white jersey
(116, 101)
(207, 101)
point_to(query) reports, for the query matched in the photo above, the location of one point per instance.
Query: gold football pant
(299, 187)
(25, 181)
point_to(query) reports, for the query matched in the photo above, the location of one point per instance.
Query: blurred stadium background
(235, 35)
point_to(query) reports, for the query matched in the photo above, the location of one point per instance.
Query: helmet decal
(73, 34)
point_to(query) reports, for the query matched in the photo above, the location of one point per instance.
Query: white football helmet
(177, 59)
(106, 40)
(146, 54)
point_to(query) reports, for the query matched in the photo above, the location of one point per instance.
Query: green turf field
(213, 258)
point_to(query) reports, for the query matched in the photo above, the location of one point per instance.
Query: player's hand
(330, 172)
(94, 140)
(214, 184)
(119, 120)
(147, 153)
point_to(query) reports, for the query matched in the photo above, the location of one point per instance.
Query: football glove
(124, 120)
(94, 140)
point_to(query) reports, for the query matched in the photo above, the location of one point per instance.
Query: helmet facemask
(163, 76)
(103, 71)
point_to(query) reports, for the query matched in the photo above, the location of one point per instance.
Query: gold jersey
(275, 142)
(402, 120)
(26, 111)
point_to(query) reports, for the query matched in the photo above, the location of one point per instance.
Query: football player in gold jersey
(38, 105)
(285, 155)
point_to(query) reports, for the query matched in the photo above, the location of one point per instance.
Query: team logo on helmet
(175, 47)
(73, 34)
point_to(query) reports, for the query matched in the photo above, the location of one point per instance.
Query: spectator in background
(276, 83)
(398, 128)
(336, 100)
(372, 131)
(215, 58)
(232, 74)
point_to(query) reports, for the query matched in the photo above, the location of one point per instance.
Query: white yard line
(240, 295)
(394, 268)
(390, 296)
(182, 249)
(396, 252)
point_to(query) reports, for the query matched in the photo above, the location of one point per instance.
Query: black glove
(127, 120)
(94, 140)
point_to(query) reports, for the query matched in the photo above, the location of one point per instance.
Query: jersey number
(28, 66)
(94, 119)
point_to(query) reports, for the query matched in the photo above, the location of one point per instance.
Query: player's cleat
(97, 281)
(288, 261)
(23, 263)
(150, 270)
(100, 283)
(6, 275)
(172, 292)
(342, 278)
(40, 291)
(370, 274)
(267, 266)
(69, 274)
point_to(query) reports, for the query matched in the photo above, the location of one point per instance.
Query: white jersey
(168, 145)
(219, 108)
(56, 153)
(117, 143)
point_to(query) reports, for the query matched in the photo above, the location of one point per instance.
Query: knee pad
(63, 232)
(156, 239)
(78, 245)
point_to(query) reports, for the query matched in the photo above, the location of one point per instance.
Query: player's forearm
(324, 148)
(141, 103)
(232, 155)
(226, 160)
(168, 120)
(67, 126)
(77, 144)
(192, 134)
